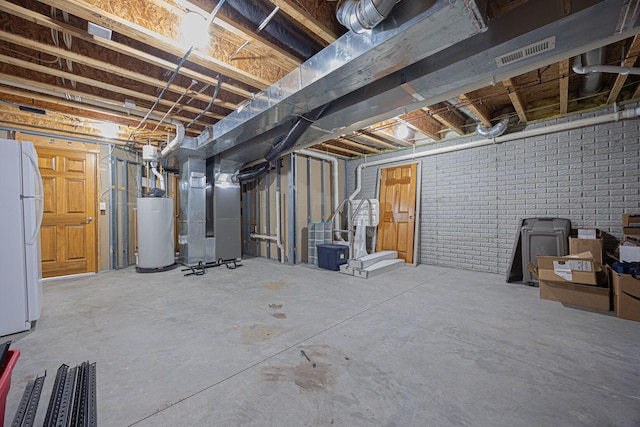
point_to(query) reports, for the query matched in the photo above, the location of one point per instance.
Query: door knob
(89, 219)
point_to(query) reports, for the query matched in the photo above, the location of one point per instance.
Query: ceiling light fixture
(402, 131)
(108, 129)
(194, 30)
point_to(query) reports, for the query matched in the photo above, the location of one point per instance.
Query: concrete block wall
(472, 201)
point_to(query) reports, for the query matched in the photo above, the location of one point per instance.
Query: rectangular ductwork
(526, 52)
(413, 31)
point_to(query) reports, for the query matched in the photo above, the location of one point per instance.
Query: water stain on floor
(258, 333)
(275, 286)
(311, 372)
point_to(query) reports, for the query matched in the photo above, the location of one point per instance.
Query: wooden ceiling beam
(347, 141)
(299, 15)
(448, 116)
(328, 151)
(30, 121)
(563, 83)
(515, 100)
(258, 45)
(341, 149)
(106, 67)
(133, 25)
(387, 129)
(371, 138)
(47, 22)
(421, 122)
(390, 136)
(95, 83)
(86, 111)
(477, 108)
(629, 61)
(22, 82)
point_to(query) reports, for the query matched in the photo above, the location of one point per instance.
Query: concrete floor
(423, 346)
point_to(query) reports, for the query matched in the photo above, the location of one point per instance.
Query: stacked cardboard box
(588, 240)
(626, 296)
(631, 225)
(626, 287)
(575, 279)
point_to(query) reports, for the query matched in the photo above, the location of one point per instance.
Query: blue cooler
(331, 257)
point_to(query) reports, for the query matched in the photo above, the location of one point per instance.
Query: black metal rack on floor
(201, 268)
(26, 413)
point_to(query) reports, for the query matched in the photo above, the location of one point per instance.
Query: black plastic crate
(331, 257)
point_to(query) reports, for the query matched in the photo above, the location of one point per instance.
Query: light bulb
(402, 131)
(194, 29)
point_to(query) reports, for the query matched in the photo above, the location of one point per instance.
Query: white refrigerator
(21, 209)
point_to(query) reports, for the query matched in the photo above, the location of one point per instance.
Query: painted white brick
(473, 200)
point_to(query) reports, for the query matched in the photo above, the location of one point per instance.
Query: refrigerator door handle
(36, 170)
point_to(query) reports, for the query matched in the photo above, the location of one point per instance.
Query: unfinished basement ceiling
(57, 78)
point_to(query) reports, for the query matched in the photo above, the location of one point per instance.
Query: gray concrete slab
(425, 346)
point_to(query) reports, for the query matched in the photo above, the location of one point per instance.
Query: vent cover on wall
(526, 52)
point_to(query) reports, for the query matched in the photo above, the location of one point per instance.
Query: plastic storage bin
(544, 237)
(331, 257)
(5, 380)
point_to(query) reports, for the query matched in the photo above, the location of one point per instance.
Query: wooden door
(397, 210)
(68, 232)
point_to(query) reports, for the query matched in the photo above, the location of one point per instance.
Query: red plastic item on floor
(5, 381)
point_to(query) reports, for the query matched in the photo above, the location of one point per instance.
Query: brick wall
(472, 201)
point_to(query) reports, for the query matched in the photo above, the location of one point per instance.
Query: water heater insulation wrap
(155, 232)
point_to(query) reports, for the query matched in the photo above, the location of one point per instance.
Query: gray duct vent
(526, 52)
(97, 30)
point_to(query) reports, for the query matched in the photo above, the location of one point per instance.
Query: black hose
(296, 131)
(253, 173)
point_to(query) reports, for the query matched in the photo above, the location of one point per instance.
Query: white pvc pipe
(175, 142)
(159, 175)
(578, 68)
(527, 133)
(277, 237)
(334, 184)
(278, 230)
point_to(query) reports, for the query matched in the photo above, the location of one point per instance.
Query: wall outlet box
(103, 206)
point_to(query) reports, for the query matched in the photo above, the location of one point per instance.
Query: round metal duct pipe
(362, 15)
(494, 131)
(591, 81)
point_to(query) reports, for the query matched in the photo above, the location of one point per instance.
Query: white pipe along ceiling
(527, 133)
(425, 52)
(578, 68)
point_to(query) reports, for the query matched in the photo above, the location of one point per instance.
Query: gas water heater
(155, 219)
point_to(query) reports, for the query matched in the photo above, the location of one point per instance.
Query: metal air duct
(362, 15)
(592, 79)
(418, 29)
(494, 131)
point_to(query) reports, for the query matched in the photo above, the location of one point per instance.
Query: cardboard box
(578, 268)
(576, 294)
(626, 296)
(629, 253)
(587, 233)
(595, 246)
(631, 220)
(631, 225)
